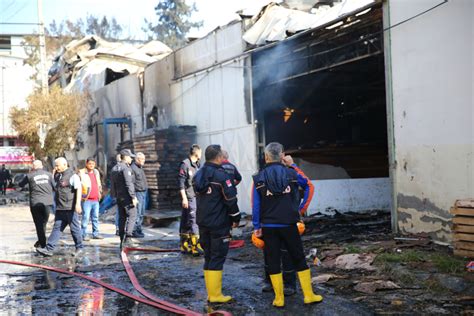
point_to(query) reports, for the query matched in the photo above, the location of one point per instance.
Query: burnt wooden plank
(467, 203)
(464, 237)
(462, 211)
(463, 229)
(464, 245)
(463, 220)
(464, 253)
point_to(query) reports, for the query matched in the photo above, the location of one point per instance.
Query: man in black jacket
(217, 213)
(5, 177)
(41, 186)
(141, 188)
(68, 207)
(123, 189)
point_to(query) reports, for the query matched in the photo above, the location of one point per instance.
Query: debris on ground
(371, 287)
(354, 261)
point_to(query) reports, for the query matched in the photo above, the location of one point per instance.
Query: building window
(11, 142)
(5, 43)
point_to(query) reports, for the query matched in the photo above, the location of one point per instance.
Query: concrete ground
(174, 277)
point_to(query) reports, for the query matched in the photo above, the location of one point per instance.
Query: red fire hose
(152, 300)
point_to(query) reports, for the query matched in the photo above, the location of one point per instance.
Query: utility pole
(42, 47)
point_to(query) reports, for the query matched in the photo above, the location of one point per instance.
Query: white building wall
(15, 83)
(432, 86)
(216, 47)
(214, 102)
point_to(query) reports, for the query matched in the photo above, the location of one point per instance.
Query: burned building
(372, 98)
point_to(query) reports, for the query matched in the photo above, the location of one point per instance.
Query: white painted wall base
(350, 195)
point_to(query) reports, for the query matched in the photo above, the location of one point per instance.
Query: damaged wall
(121, 98)
(432, 86)
(156, 94)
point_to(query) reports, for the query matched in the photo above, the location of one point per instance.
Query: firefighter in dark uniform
(217, 213)
(123, 189)
(231, 169)
(276, 204)
(188, 229)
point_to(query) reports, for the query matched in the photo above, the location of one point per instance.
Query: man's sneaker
(97, 237)
(45, 252)
(86, 238)
(138, 235)
(37, 244)
(117, 233)
(77, 252)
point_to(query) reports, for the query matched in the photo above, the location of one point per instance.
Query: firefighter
(288, 269)
(188, 229)
(276, 204)
(217, 213)
(231, 169)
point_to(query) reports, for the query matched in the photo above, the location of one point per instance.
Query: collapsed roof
(275, 22)
(91, 63)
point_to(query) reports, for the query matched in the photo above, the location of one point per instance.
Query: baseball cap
(127, 152)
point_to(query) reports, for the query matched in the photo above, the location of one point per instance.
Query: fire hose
(150, 299)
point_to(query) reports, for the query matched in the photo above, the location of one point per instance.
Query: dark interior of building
(322, 95)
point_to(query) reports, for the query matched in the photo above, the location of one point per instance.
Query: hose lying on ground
(151, 300)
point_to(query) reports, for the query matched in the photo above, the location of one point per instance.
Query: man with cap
(41, 187)
(123, 189)
(188, 229)
(68, 207)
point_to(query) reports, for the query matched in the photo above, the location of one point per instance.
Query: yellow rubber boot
(277, 283)
(185, 247)
(196, 248)
(307, 288)
(206, 281)
(215, 287)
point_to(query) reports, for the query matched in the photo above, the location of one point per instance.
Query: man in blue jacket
(217, 213)
(276, 205)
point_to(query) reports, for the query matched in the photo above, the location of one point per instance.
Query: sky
(129, 13)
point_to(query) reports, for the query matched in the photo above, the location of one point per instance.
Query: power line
(18, 23)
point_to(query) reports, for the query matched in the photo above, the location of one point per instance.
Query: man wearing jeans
(141, 187)
(91, 193)
(68, 208)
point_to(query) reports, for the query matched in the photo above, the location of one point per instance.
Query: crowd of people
(209, 211)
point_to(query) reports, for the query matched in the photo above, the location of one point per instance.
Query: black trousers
(288, 237)
(127, 218)
(3, 187)
(288, 269)
(40, 213)
(215, 243)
